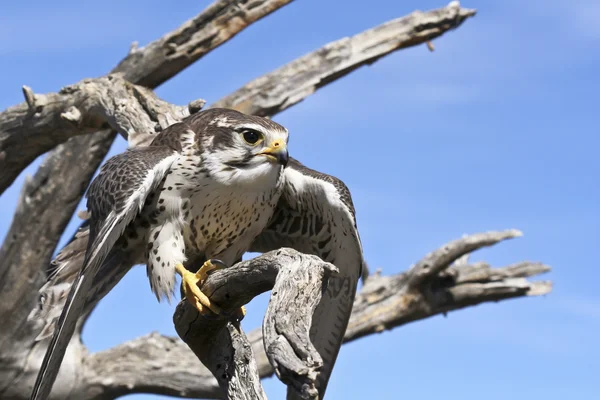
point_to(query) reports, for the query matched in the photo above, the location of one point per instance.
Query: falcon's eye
(251, 136)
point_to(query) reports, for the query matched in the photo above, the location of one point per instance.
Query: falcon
(204, 192)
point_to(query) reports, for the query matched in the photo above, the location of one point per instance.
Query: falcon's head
(240, 149)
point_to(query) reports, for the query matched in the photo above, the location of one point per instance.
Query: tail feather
(62, 336)
(63, 271)
(95, 255)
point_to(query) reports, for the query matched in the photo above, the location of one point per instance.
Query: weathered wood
(383, 303)
(297, 80)
(386, 302)
(438, 260)
(164, 58)
(92, 105)
(297, 281)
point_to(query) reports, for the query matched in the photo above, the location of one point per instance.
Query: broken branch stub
(298, 281)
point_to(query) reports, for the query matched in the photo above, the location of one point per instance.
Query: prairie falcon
(214, 186)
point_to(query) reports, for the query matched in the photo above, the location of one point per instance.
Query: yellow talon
(192, 292)
(207, 267)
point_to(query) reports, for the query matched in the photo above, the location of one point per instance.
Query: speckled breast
(225, 229)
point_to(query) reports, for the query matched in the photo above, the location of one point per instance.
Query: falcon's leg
(193, 292)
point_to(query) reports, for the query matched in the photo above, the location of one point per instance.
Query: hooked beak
(277, 151)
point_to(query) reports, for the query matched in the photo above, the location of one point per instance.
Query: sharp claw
(197, 298)
(208, 267)
(219, 262)
(193, 293)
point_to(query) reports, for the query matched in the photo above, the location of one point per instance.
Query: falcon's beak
(277, 151)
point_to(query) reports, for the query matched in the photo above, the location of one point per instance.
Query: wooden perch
(383, 303)
(297, 281)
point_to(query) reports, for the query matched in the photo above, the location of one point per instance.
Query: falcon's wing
(115, 197)
(315, 215)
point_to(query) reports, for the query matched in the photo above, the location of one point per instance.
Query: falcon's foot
(193, 293)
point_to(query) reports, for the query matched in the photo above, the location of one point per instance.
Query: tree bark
(297, 283)
(164, 365)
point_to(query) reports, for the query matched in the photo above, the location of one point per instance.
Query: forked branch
(383, 303)
(297, 282)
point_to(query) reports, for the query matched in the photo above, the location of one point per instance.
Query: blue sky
(498, 128)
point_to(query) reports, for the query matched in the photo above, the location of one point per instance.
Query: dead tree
(76, 127)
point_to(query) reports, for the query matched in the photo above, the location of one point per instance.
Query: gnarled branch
(383, 303)
(290, 84)
(88, 106)
(297, 281)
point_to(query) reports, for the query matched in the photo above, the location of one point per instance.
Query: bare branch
(86, 107)
(164, 58)
(383, 303)
(297, 281)
(290, 84)
(151, 364)
(149, 66)
(438, 260)
(386, 302)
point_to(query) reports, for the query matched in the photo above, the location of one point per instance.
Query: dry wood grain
(384, 302)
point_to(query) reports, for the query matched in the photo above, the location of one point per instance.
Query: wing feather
(315, 215)
(115, 198)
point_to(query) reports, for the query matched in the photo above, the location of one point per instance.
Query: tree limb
(383, 303)
(297, 281)
(91, 105)
(148, 66)
(290, 84)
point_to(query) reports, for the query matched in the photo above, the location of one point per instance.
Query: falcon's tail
(95, 255)
(62, 272)
(61, 337)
